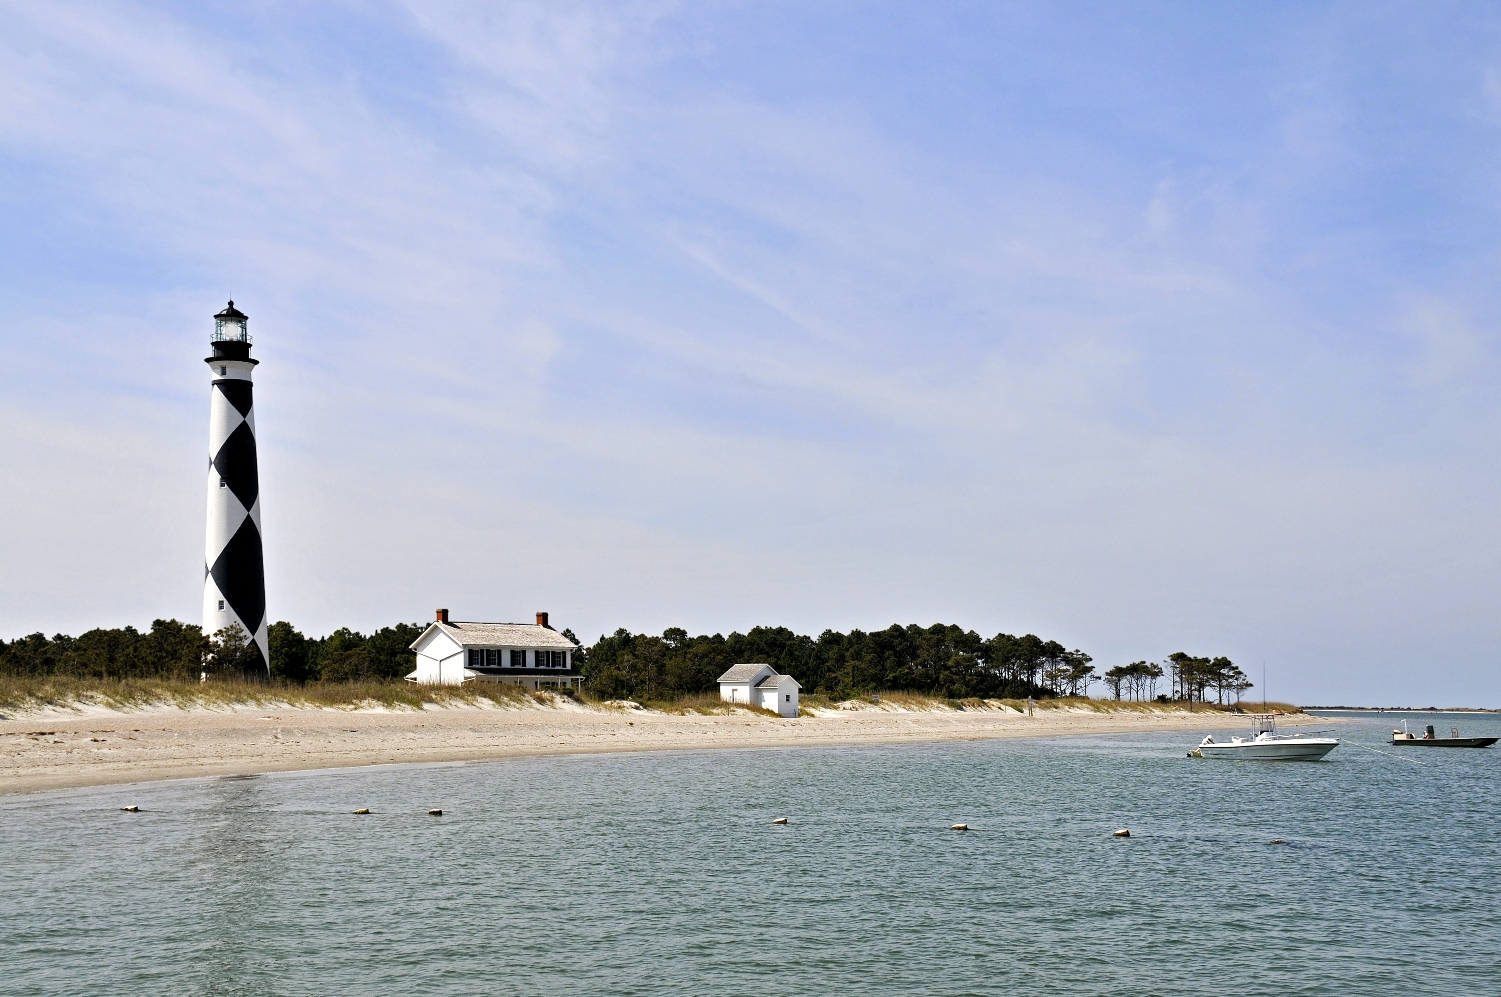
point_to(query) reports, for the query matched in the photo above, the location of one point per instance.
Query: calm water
(662, 874)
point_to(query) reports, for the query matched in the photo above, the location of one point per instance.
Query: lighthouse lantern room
(231, 325)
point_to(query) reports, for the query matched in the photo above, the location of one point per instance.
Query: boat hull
(1445, 742)
(1310, 750)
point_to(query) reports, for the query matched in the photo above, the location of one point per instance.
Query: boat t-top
(1429, 741)
(1265, 744)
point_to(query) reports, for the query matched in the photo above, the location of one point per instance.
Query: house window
(492, 658)
(476, 658)
(518, 659)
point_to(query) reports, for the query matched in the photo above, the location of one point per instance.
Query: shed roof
(505, 635)
(744, 673)
(775, 679)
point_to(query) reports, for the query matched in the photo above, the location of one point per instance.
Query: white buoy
(959, 827)
(1122, 833)
(780, 820)
(131, 810)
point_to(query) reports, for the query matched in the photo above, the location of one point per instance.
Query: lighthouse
(234, 575)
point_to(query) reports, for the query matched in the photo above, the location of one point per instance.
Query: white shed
(451, 652)
(760, 685)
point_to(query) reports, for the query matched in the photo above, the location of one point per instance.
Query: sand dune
(58, 748)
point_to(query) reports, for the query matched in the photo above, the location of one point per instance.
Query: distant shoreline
(1401, 709)
(63, 749)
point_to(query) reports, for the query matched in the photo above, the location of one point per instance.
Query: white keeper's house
(533, 655)
(760, 685)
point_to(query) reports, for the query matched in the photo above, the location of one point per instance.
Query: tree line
(168, 650)
(1191, 679)
(182, 651)
(941, 660)
(1194, 677)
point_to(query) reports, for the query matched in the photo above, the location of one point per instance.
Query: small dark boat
(1452, 741)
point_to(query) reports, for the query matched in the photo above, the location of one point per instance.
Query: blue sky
(1144, 327)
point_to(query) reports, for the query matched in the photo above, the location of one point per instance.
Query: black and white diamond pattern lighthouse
(234, 580)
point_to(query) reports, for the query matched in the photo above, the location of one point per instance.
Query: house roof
(744, 673)
(775, 679)
(504, 635)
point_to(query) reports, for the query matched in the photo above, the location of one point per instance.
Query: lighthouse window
(223, 371)
(223, 483)
(221, 605)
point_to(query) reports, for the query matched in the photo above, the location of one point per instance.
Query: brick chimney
(542, 620)
(442, 616)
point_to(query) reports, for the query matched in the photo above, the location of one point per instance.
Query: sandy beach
(59, 748)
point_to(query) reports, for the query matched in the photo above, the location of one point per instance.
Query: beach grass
(19, 693)
(24, 693)
(700, 704)
(1134, 706)
(919, 702)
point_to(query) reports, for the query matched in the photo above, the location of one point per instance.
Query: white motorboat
(1265, 744)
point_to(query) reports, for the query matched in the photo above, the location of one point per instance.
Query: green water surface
(661, 873)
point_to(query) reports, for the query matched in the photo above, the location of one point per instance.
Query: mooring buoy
(959, 827)
(780, 820)
(363, 810)
(1122, 833)
(435, 813)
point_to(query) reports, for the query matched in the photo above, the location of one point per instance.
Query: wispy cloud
(709, 314)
